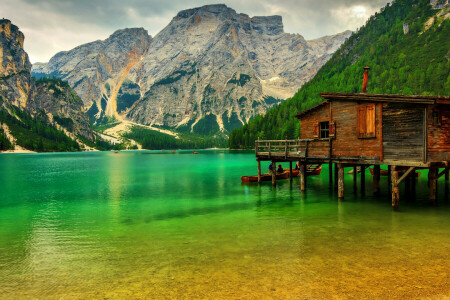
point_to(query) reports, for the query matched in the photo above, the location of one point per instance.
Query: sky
(51, 26)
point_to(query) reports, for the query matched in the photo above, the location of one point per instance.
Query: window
(324, 128)
(366, 121)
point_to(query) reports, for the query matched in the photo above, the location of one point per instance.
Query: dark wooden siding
(403, 132)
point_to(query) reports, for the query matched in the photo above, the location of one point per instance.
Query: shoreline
(19, 151)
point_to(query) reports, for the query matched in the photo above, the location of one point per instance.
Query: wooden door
(403, 132)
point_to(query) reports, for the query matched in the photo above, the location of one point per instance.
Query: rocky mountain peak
(209, 65)
(15, 65)
(207, 10)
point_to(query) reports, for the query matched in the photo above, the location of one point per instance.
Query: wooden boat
(384, 172)
(265, 177)
(313, 169)
(195, 152)
(310, 170)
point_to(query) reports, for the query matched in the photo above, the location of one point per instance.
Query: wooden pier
(404, 133)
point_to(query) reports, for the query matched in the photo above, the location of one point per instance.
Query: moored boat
(266, 177)
(311, 170)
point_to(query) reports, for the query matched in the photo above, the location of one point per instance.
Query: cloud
(51, 26)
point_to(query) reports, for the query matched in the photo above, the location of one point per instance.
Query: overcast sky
(51, 26)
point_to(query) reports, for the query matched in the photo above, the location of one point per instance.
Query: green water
(177, 225)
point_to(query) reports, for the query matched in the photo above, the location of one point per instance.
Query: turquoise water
(152, 224)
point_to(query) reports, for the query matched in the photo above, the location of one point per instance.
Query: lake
(153, 224)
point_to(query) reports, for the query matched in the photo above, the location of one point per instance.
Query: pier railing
(290, 148)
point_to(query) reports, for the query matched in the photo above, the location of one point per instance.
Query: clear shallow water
(163, 225)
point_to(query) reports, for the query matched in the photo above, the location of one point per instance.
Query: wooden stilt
(335, 176)
(389, 180)
(432, 185)
(395, 191)
(340, 181)
(274, 173)
(302, 177)
(413, 185)
(290, 171)
(363, 180)
(259, 171)
(376, 180)
(355, 182)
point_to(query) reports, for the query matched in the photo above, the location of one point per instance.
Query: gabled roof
(306, 111)
(412, 99)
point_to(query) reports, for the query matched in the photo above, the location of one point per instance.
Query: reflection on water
(162, 225)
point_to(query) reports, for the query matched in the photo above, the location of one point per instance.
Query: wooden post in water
(376, 180)
(303, 177)
(290, 171)
(389, 179)
(335, 176)
(355, 180)
(259, 171)
(413, 185)
(395, 191)
(274, 173)
(363, 180)
(432, 185)
(340, 181)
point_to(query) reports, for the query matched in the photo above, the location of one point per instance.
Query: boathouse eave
(412, 99)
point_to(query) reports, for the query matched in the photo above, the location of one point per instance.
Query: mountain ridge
(208, 61)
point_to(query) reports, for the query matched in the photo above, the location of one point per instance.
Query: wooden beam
(444, 172)
(395, 190)
(355, 174)
(340, 181)
(404, 175)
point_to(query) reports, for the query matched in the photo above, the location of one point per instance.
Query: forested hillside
(406, 45)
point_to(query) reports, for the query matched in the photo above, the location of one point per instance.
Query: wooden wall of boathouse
(347, 140)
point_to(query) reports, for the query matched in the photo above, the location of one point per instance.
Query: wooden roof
(412, 99)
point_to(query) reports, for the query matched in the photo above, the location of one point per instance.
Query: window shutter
(370, 120)
(316, 131)
(332, 129)
(361, 121)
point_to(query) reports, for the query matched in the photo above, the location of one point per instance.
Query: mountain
(46, 115)
(210, 70)
(407, 47)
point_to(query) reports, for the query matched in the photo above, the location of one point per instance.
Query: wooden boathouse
(406, 133)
